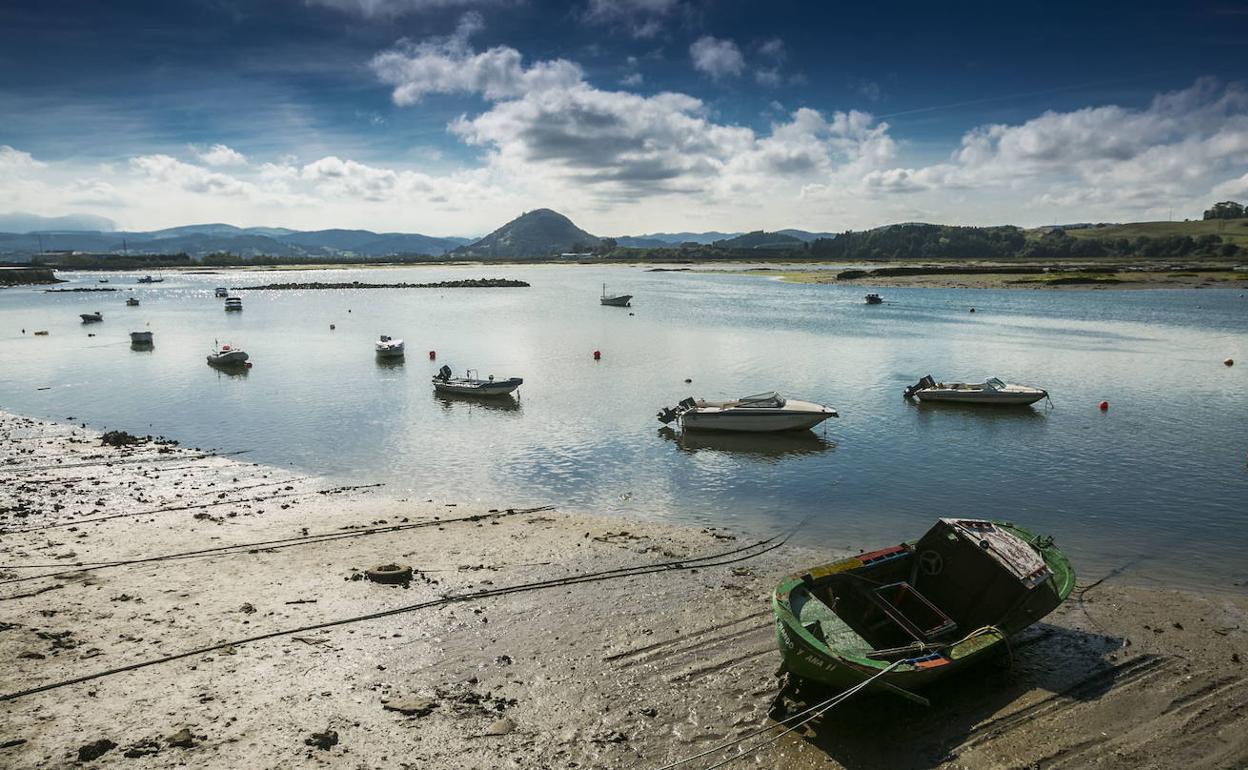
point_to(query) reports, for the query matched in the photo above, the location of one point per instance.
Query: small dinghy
(470, 385)
(227, 357)
(233, 303)
(760, 413)
(222, 292)
(908, 614)
(149, 279)
(141, 338)
(91, 318)
(875, 299)
(991, 391)
(619, 300)
(132, 302)
(388, 347)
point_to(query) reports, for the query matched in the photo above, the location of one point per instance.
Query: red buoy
(1104, 406)
(433, 354)
(597, 355)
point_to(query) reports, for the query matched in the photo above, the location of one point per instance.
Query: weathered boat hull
(390, 351)
(140, 338)
(480, 388)
(229, 358)
(620, 301)
(91, 318)
(988, 398)
(806, 656)
(742, 421)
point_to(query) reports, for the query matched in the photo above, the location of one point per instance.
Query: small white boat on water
(760, 413)
(226, 356)
(141, 338)
(233, 303)
(620, 300)
(471, 385)
(991, 391)
(388, 347)
(91, 318)
(222, 292)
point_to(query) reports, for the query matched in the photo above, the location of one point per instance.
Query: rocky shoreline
(219, 614)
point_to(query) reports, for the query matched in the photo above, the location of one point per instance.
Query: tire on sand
(389, 573)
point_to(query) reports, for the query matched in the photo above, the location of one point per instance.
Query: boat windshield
(771, 400)
(995, 383)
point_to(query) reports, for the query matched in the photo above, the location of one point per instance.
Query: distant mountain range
(538, 233)
(201, 240)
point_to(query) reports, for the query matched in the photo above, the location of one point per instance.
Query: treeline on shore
(893, 243)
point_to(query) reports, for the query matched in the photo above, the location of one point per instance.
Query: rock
(500, 727)
(143, 748)
(182, 739)
(93, 751)
(247, 609)
(322, 741)
(411, 706)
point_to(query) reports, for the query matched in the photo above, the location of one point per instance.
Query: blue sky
(452, 116)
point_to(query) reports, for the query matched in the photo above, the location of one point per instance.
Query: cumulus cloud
(221, 155)
(717, 58)
(449, 65)
(187, 176)
(1176, 147)
(14, 161)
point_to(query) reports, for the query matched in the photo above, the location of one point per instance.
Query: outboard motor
(444, 373)
(666, 415)
(923, 384)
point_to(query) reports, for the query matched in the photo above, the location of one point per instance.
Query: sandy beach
(236, 596)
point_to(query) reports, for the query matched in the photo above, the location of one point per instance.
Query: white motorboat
(760, 413)
(141, 338)
(226, 356)
(991, 391)
(233, 303)
(388, 347)
(471, 385)
(221, 292)
(620, 300)
(91, 318)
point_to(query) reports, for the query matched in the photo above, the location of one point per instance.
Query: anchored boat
(227, 357)
(132, 302)
(875, 299)
(149, 279)
(388, 347)
(221, 292)
(620, 300)
(443, 382)
(990, 391)
(921, 610)
(233, 303)
(760, 413)
(91, 318)
(141, 338)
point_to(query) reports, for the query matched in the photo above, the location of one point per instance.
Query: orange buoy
(597, 355)
(433, 354)
(1104, 406)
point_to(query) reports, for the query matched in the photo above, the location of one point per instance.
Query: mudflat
(217, 613)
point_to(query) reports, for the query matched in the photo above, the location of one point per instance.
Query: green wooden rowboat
(937, 605)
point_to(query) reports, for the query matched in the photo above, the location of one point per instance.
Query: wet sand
(635, 671)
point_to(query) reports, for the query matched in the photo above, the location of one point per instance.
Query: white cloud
(632, 79)
(643, 18)
(717, 58)
(187, 176)
(449, 65)
(14, 161)
(221, 155)
(1232, 188)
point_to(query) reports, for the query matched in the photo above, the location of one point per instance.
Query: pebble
(500, 727)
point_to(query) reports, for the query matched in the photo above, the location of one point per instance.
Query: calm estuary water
(1159, 481)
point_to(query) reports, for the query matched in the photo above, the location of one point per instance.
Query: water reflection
(235, 369)
(389, 362)
(456, 401)
(770, 447)
(927, 410)
(143, 346)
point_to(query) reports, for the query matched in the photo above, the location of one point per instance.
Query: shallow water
(1159, 482)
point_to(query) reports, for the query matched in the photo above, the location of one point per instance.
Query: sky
(450, 117)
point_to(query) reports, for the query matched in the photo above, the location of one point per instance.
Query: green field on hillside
(1232, 230)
